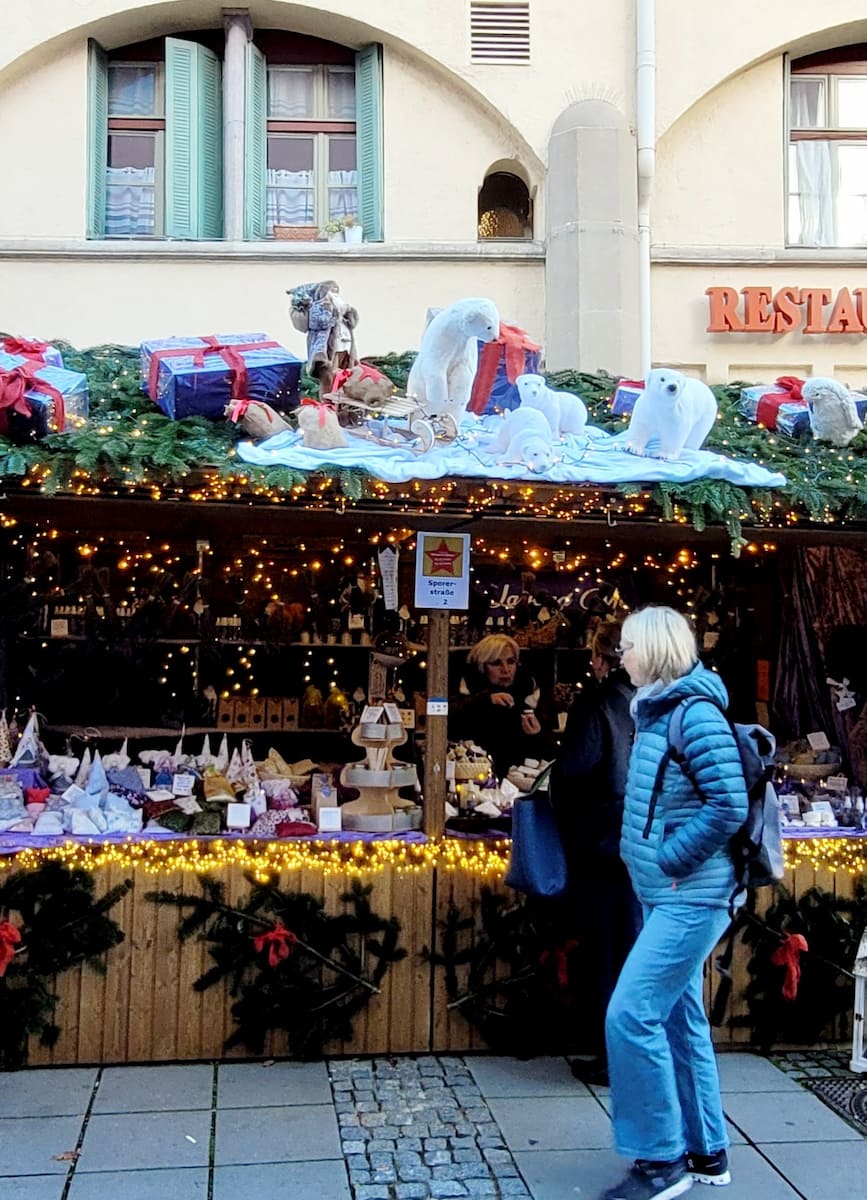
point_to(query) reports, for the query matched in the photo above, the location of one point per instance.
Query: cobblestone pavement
(419, 1129)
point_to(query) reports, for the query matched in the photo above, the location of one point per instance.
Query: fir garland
(129, 443)
(290, 965)
(832, 927)
(511, 967)
(49, 922)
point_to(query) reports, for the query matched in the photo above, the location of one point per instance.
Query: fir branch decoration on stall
(291, 967)
(50, 921)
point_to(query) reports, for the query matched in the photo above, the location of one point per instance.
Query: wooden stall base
(144, 1008)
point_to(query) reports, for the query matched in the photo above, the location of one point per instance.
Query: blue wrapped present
(36, 400)
(42, 352)
(200, 376)
(500, 363)
(777, 406)
(625, 395)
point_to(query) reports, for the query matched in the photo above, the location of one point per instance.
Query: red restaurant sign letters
(763, 310)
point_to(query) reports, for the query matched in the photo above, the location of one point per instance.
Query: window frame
(828, 69)
(154, 124)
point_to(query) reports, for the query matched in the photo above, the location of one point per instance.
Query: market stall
(222, 632)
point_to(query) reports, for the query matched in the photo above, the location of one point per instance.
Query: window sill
(60, 250)
(749, 256)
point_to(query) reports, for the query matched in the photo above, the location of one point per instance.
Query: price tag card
(372, 713)
(183, 784)
(59, 627)
(356, 620)
(836, 783)
(818, 741)
(437, 707)
(392, 713)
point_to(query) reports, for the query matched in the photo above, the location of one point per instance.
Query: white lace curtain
(811, 221)
(130, 202)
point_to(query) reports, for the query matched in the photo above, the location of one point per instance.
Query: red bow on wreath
(560, 957)
(279, 940)
(10, 937)
(788, 955)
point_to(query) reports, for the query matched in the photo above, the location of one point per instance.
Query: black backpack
(757, 847)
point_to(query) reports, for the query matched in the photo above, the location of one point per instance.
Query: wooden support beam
(436, 725)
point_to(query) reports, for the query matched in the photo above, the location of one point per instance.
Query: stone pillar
(238, 30)
(591, 270)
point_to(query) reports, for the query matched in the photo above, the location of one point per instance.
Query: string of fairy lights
(486, 860)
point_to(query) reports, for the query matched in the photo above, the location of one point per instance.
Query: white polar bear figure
(564, 412)
(441, 378)
(525, 437)
(674, 408)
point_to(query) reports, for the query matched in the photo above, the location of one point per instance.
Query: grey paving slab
(28, 1145)
(154, 1089)
(795, 1117)
(186, 1183)
(552, 1123)
(252, 1085)
(144, 1141)
(274, 1135)
(33, 1187)
(269, 1181)
(61, 1093)
(497, 1076)
(839, 1173)
(752, 1073)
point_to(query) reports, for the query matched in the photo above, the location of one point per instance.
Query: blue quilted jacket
(680, 855)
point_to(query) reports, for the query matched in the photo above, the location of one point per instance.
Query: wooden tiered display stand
(379, 808)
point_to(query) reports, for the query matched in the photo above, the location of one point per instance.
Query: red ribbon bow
(768, 407)
(321, 405)
(10, 937)
(788, 955)
(25, 347)
(279, 940)
(18, 380)
(232, 355)
(560, 955)
(512, 344)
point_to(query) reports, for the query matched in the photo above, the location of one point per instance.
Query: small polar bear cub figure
(564, 412)
(525, 437)
(675, 409)
(441, 378)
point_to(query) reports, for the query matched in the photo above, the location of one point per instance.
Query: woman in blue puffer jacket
(666, 1107)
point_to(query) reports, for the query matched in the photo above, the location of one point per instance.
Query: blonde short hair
(665, 647)
(492, 647)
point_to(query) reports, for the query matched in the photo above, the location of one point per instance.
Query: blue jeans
(664, 1082)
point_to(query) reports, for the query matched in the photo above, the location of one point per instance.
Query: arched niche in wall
(505, 202)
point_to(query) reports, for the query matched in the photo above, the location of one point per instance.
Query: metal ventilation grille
(500, 32)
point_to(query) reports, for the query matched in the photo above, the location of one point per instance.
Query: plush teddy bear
(441, 378)
(673, 408)
(564, 412)
(319, 426)
(525, 437)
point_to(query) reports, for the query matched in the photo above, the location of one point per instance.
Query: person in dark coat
(587, 791)
(496, 706)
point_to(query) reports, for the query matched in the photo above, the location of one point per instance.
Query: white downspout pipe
(645, 127)
(238, 30)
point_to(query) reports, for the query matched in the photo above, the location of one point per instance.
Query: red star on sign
(441, 559)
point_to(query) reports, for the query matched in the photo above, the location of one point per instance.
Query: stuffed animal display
(525, 437)
(564, 412)
(674, 410)
(833, 415)
(441, 378)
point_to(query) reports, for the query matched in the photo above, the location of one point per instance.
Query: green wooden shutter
(194, 142)
(368, 124)
(255, 136)
(97, 137)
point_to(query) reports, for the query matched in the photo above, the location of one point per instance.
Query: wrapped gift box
(42, 352)
(199, 376)
(775, 407)
(625, 395)
(36, 400)
(500, 364)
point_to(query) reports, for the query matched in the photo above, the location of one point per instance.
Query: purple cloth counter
(14, 843)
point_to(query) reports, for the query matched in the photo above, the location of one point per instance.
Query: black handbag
(537, 861)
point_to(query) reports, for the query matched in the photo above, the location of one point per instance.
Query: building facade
(168, 167)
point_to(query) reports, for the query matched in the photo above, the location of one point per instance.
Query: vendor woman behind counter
(496, 706)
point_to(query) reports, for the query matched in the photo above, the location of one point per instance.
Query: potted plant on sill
(334, 230)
